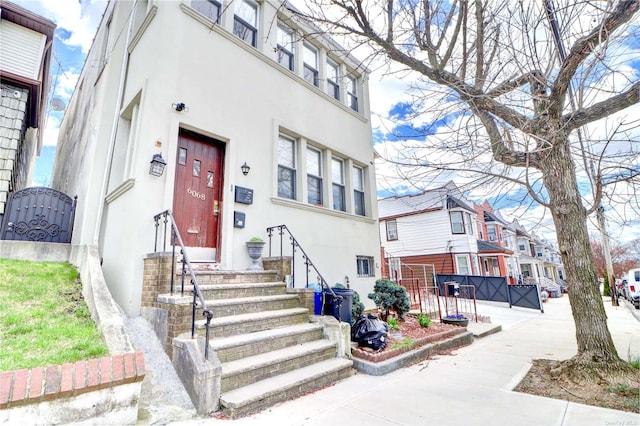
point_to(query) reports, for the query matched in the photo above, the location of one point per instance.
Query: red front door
(197, 198)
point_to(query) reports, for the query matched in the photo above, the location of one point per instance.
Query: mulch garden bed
(409, 329)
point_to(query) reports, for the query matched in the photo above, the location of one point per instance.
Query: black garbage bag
(370, 332)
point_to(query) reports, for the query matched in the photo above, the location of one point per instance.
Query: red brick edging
(383, 356)
(31, 386)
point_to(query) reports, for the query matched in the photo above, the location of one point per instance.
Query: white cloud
(78, 18)
(50, 136)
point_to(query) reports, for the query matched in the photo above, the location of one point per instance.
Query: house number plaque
(243, 195)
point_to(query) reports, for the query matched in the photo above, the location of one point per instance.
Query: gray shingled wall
(13, 159)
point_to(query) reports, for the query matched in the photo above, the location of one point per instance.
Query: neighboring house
(496, 257)
(531, 267)
(26, 45)
(436, 227)
(214, 86)
(551, 261)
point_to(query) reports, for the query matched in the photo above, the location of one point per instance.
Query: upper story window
(245, 22)
(392, 230)
(337, 179)
(457, 222)
(333, 76)
(286, 167)
(492, 232)
(352, 92)
(522, 245)
(358, 191)
(285, 46)
(310, 59)
(314, 176)
(209, 8)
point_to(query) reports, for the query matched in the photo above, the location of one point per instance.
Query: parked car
(632, 287)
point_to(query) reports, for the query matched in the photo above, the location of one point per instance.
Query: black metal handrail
(167, 217)
(280, 229)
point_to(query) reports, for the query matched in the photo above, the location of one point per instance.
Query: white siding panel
(420, 234)
(21, 50)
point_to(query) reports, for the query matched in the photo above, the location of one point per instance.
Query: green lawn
(43, 317)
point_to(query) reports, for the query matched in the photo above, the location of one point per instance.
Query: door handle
(216, 207)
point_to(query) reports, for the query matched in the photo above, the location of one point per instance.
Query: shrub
(606, 291)
(357, 307)
(388, 295)
(424, 320)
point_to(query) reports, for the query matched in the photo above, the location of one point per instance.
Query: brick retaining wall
(35, 385)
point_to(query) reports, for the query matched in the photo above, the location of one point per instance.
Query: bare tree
(513, 87)
(621, 255)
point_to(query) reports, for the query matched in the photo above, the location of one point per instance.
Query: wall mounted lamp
(180, 106)
(157, 165)
(245, 168)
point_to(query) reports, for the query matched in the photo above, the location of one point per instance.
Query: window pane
(310, 75)
(365, 266)
(182, 156)
(392, 230)
(286, 152)
(209, 8)
(248, 12)
(285, 46)
(310, 56)
(244, 31)
(332, 71)
(314, 190)
(337, 175)
(285, 37)
(333, 87)
(209, 179)
(352, 91)
(463, 265)
(196, 168)
(314, 162)
(358, 181)
(338, 198)
(286, 183)
(358, 202)
(457, 225)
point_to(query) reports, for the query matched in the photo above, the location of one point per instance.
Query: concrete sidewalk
(472, 386)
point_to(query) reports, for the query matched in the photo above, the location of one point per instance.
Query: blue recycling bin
(317, 298)
(340, 311)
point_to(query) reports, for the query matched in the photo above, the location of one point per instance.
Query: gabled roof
(426, 201)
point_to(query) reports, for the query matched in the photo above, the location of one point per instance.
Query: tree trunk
(570, 218)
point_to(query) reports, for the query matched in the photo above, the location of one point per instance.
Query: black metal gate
(526, 296)
(39, 214)
(496, 289)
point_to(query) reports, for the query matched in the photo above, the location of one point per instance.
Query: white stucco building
(212, 86)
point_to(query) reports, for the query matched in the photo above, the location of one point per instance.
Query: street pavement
(471, 386)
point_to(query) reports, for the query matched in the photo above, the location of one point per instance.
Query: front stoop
(268, 348)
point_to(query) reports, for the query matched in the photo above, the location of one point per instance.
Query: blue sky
(76, 23)
(395, 118)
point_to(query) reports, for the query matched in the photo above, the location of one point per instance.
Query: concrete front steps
(268, 349)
